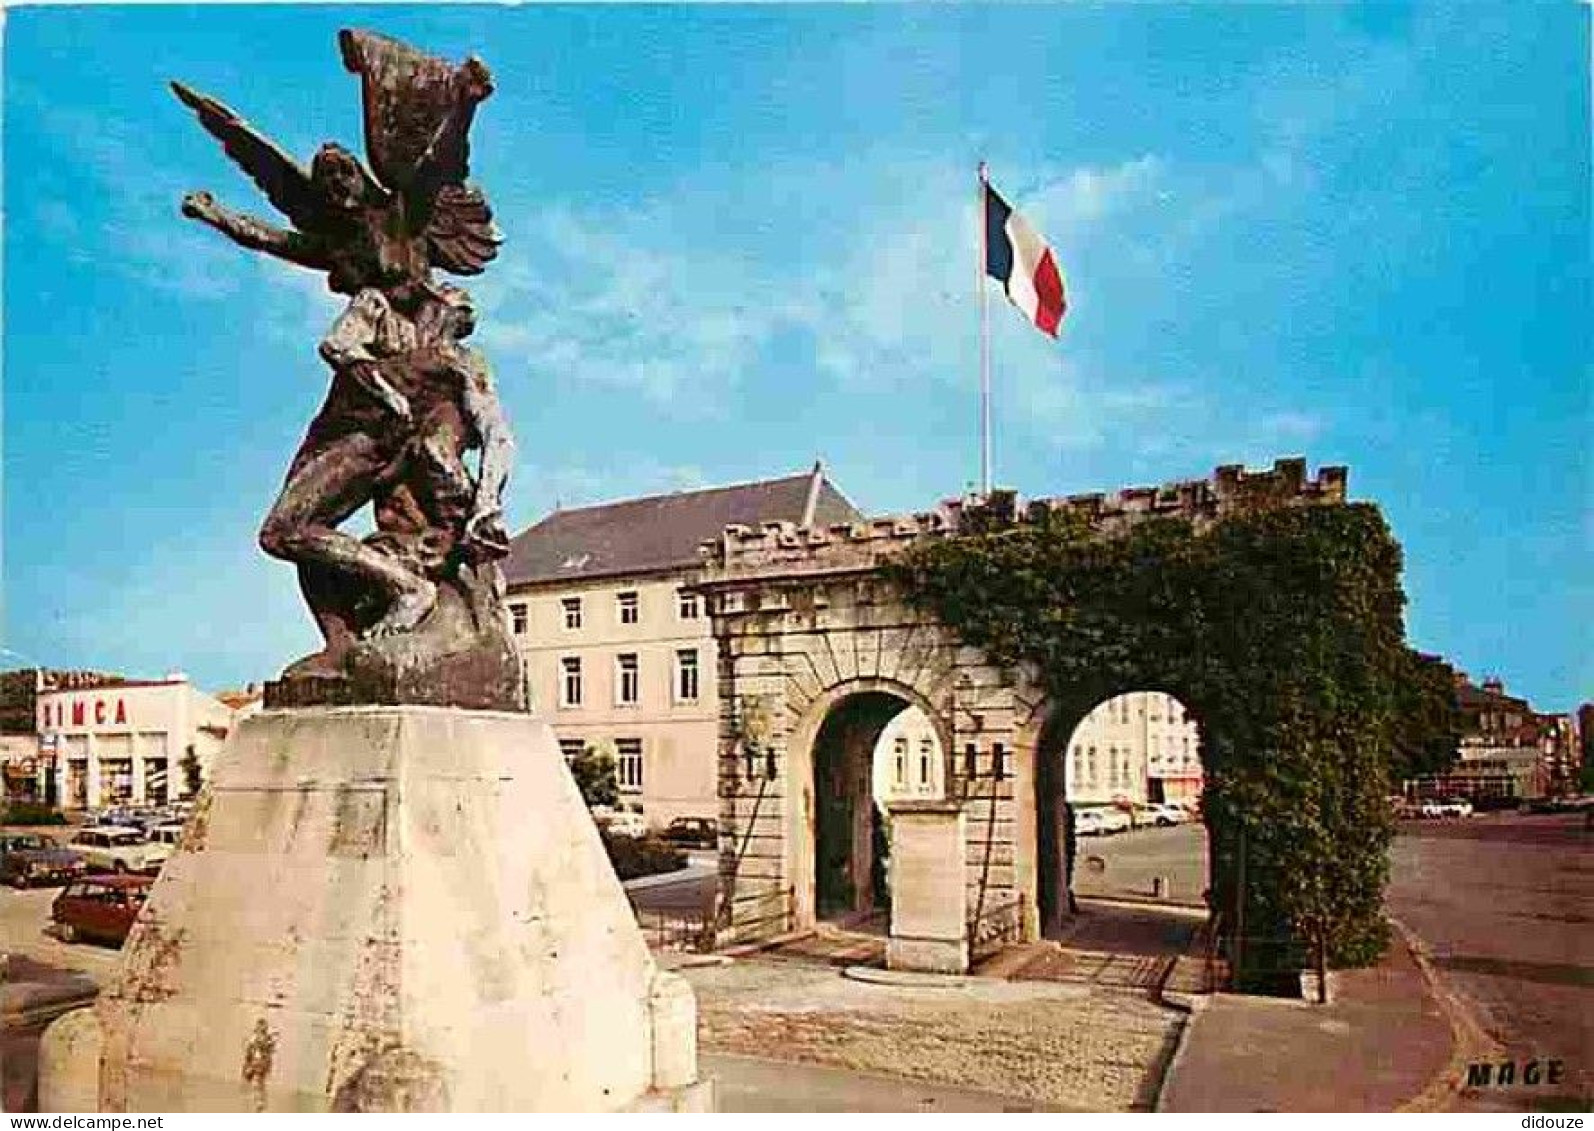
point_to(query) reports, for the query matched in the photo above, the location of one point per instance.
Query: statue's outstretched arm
(257, 235)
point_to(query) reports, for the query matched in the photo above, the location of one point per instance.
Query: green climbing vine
(1281, 630)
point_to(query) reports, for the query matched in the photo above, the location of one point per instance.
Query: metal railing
(689, 925)
(702, 925)
(990, 930)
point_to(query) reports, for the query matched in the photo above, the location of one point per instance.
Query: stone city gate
(817, 652)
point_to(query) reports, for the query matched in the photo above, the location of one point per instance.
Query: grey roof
(661, 532)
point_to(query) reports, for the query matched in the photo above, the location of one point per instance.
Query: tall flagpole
(985, 343)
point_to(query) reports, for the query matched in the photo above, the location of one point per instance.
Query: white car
(1088, 822)
(110, 848)
(1100, 820)
(168, 834)
(620, 822)
(1455, 807)
(1170, 814)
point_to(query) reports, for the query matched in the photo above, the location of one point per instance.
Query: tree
(1428, 725)
(597, 776)
(193, 776)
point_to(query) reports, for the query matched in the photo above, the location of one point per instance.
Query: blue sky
(740, 238)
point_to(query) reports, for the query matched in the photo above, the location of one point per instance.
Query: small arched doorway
(850, 836)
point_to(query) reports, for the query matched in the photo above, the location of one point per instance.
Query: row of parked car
(1433, 807)
(1103, 820)
(684, 832)
(105, 868)
(38, 860)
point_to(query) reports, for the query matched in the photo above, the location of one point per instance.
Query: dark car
(693, 832)
(100, 907)
(31, 859)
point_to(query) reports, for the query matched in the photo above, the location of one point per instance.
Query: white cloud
(1080, 199)
(622, 301)
(594, 301)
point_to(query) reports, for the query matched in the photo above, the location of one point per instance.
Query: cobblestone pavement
(1067, 1047)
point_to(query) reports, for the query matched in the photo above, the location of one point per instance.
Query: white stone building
(1142, 746)
(125, 743)
(620, 655)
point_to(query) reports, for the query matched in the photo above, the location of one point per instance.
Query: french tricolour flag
(1016, 255)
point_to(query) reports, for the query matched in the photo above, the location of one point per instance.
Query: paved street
(1036, 1043)
(1504, 902)
(1126, 864)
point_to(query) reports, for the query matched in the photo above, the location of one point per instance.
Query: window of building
(572, 748)
(627, 678)
(926, 749)
(570, 685)
(688, 606)
(686, 675)
(628, 753)
(900, 752)
(572, 611)
(517, 619)
(628, 608)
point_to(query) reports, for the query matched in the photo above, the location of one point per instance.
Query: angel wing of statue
(418, 114)
(368, 227)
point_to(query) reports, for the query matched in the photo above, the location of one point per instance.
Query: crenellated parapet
(784, 549)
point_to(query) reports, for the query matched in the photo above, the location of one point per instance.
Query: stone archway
(833, 834)
(805, 617)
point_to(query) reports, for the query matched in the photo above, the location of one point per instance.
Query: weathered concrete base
(693, 1099)
(384, 909)
(934, 956)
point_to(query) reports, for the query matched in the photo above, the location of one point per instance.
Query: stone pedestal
(386, 908)
(929, 926)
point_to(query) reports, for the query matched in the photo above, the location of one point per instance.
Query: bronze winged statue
(413, 612)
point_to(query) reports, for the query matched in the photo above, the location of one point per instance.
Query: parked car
(1168, 813)
(1088, 822)
(1444, 807)
(112, 849)
(1101, 819)
(621, 822)
(693, 832)
(99, 907)
(1140, 815)
(167, 834)
(31, 859)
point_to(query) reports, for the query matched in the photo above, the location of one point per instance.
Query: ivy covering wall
(1280, 630)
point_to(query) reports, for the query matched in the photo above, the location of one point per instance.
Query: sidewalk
(1379, 1044)
(753, 1084)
